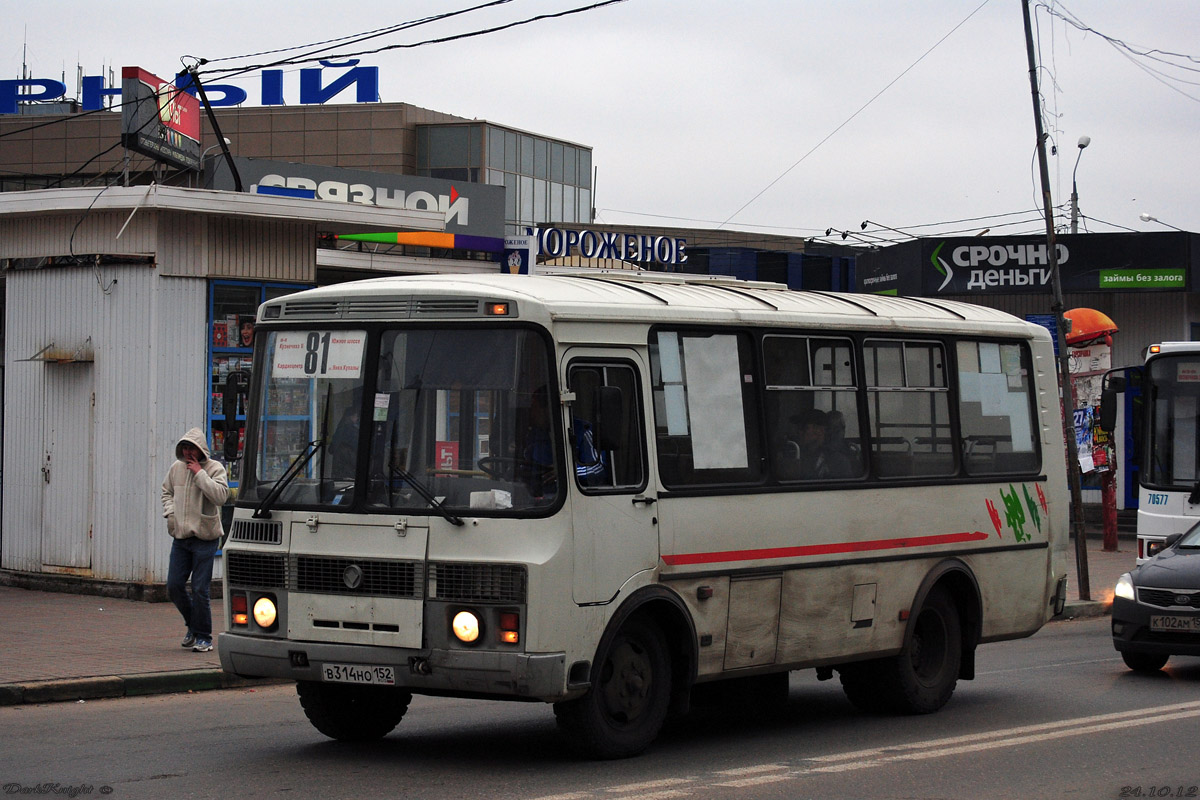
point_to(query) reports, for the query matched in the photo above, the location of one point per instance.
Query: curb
(108, 686)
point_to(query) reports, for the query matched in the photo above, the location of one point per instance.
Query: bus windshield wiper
(263, 511)
(427, 495)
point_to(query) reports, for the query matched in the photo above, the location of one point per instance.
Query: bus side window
(605, 429)
(706, 425)
(812, 410)
(995, 409)
(908, 399)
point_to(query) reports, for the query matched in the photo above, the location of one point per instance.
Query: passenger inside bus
(807, 453)
(539, 473)
(844, 460)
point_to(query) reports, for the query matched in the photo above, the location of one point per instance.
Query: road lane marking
(991, 740)
(733, 773)
(665, 783)
(762, 780)
(1139, 715)
(765, 774)
(1049, 666)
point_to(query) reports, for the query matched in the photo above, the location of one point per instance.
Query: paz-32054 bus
(604, 491)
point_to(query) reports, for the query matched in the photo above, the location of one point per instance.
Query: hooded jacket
(192, 502)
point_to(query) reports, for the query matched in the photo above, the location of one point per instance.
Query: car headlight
(1124, 588)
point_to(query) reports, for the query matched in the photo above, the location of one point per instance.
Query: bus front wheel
(922, 677)
(352, 713)
(626, 706)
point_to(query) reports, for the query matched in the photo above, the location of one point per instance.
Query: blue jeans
(192, 557)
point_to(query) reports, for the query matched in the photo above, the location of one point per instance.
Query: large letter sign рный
(313, 89)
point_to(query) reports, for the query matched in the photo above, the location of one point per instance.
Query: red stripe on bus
(823, 549)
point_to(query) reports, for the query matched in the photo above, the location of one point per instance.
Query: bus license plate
(1182, 624)
(358, 673)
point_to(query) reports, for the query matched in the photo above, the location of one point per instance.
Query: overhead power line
(325, 56)
(861, 109)
(361, 37)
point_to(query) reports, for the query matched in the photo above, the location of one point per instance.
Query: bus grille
(1166, 598)
(310, 308)
(447, 307)
(477, 583)
(263, 570)
(378, 306)
(259, 531)
(325, 575)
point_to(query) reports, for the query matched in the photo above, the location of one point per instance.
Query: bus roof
(625, 296)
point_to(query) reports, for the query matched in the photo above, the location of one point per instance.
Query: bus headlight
(466, 627)
(1124, 588)
(264, 612)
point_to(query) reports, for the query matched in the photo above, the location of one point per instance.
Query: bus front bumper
(534, 676)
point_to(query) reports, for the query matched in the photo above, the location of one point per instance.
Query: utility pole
(1064, 359)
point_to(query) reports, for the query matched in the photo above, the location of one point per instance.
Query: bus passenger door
(613, 518)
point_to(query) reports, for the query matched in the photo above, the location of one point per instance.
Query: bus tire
(626, 706)
(352, 713)
(1145, 663)
(921, 679)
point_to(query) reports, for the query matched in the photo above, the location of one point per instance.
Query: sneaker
(202, 646)
(188, 640)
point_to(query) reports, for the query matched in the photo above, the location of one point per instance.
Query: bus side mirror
(609, 416)
(1112, 386)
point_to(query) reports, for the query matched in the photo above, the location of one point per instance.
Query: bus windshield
(413, 420)
(1174, 457)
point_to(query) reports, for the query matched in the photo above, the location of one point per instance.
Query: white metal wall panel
(149, 377)
(262, 250)
(184, 246)
(25, 332)
(93, 232)
(178, 380)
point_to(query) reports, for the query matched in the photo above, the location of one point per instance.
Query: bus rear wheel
(626, 706)
(921, 679)
(352, 713)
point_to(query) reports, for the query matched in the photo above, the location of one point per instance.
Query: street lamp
(1149, 218)
(224, 141)
(1084, 141)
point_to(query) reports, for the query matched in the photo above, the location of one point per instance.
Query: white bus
(1168, 436)
(606, 491)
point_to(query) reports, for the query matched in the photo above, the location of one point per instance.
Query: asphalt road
(1054, 716)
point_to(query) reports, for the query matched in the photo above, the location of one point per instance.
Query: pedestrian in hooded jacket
(192, 494)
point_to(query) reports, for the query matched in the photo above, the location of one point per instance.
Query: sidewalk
(80, 647)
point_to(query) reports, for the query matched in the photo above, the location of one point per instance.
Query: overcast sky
(781, 117)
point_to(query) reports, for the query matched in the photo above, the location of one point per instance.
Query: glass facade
(546, 181)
